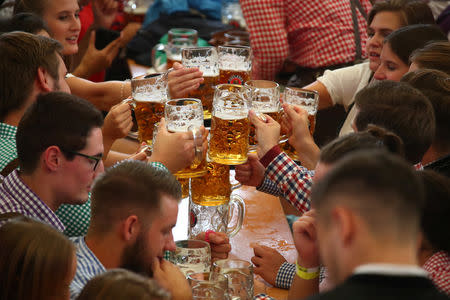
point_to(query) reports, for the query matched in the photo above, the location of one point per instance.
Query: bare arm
(102, 94)
(305, 238)
(324, 97)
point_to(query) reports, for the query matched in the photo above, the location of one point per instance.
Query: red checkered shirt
(311, 33)
(283, 177)
(438, 267)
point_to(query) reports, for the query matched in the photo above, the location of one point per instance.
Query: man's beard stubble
(136, 258)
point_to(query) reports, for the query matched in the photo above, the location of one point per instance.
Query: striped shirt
(8, 151)
(16, 196)
(88, 266)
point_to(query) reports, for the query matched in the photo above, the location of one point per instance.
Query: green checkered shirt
(8, 151)
(76, 218)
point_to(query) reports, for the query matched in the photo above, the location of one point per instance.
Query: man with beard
(134, 208)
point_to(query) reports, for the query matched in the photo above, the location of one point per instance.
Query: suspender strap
(355, 4)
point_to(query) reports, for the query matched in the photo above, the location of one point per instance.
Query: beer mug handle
(198, 144)
(238, 202)
(156, 62)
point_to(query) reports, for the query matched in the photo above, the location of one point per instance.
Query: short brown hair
(55, 119)
(380, 187)
(373, 138)
(118, 284)
(400, 108)
(129, 187)
(21, 55)
(412, 12)
(434, 55)
(435, 85)
(31, 254)
(435, 221)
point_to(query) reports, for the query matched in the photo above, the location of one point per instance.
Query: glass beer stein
(178, 38)
(149, 96)
(183, 115)
(265, 99)
(212, 206)
(307, 100)
(135, 10)
(240, 277)
(230, 125)
(208, 286)
(207, 60)
(235, 64)
(191, 256)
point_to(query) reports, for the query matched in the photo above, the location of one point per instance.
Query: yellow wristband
(307, 273)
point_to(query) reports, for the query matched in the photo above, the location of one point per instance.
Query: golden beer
(276, 115)
(206, 94)
(229, 139)
(196, 169)
(171, 61)
(147, 114)
(234, 76)
(184, 182)
(214, 188)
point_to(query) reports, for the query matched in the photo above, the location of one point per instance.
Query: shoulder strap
(11, 166)
(355, 4)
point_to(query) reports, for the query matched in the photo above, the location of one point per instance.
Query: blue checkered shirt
(283, 177)
(88, 266)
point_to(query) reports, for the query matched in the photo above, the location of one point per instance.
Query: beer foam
(265, 107)
(234, 62)
(183, 126)
(159, 96)
(208, 72)
(301, 101)
(228, 116)
(175, 56)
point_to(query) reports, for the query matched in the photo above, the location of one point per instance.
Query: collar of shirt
(31, 204)
(390, 269)
(8, 131)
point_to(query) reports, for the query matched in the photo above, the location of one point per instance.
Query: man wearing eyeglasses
(60, 148)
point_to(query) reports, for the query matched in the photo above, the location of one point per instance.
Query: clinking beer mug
(149, 96)
(212, 205)
(184, 115)
(230, 125)
(207, 60)
(307, 100)
(177, 39)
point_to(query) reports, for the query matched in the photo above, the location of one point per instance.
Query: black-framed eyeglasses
(96, 159)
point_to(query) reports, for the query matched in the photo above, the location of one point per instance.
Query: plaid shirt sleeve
(285, 275)
(266, 23)
(293, 181)
(269, 187)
